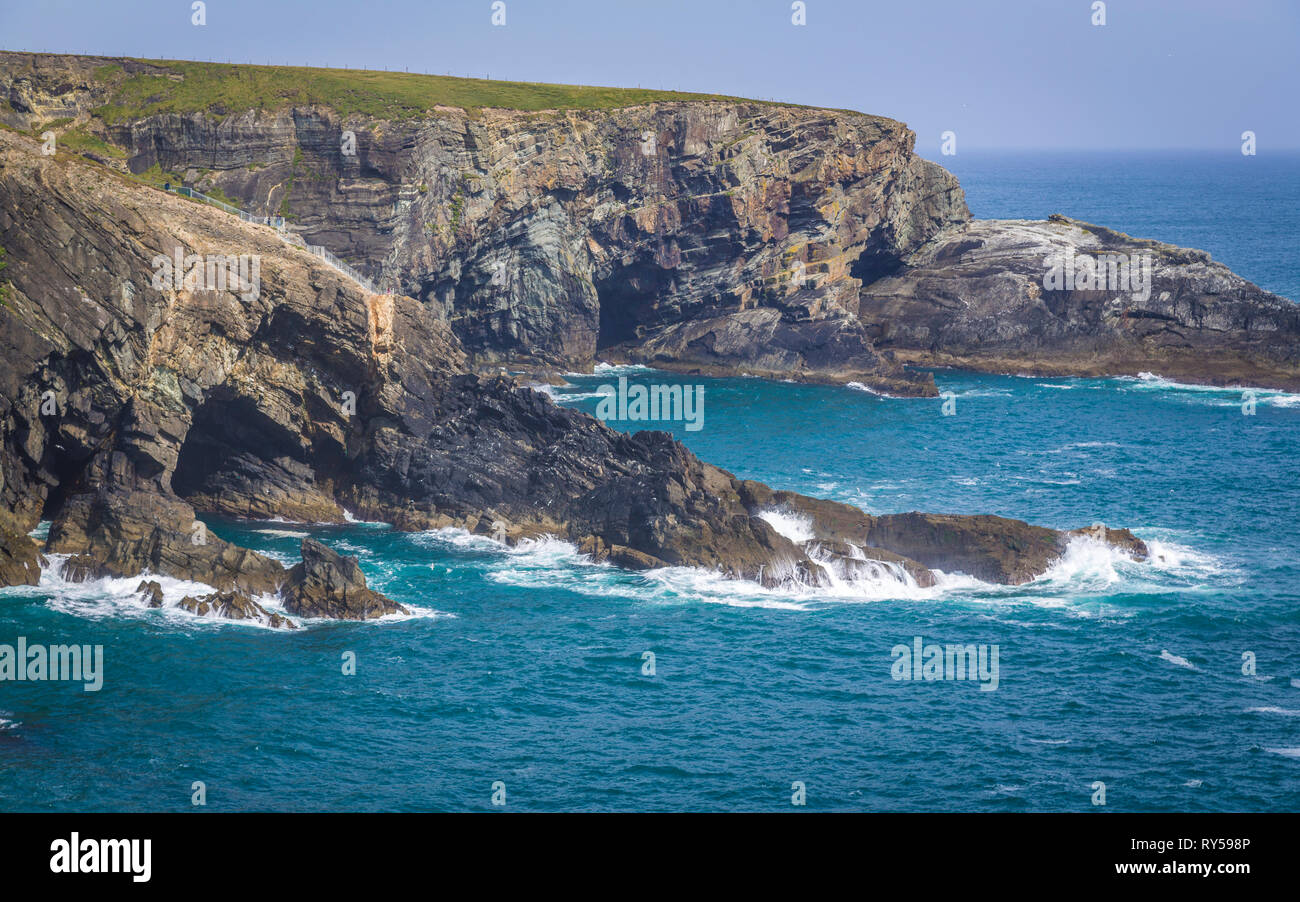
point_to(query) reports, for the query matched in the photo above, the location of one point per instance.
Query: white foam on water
(615, 369)
(858, 386)
(1092, 567)
(564, 394)
(1285, 752)
(1274, 709)
(6, 723)
(1213, 395)
(283, 533)
(1193, 784)
(349, 518)
(116, 597)
(1165, 655)
(1051, 741)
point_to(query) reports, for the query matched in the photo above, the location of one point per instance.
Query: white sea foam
(1213, 395)
(1274, 709)
(348, 517)
(1092, 567)
(858, 386)
(615, 369)
(1285, 752)
(795, 527)
(1166, 655)
(113, 597)
(283, 533)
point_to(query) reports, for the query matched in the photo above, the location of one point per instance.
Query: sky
(1000, 74)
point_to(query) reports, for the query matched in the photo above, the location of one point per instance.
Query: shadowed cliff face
(132, 407)
(702, 236)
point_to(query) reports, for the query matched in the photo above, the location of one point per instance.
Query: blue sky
(1162, 74)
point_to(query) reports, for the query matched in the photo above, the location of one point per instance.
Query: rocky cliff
(134, 404)
(701, 235)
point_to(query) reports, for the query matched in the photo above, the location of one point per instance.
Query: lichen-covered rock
(328, 584)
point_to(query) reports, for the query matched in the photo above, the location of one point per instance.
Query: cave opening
(228, 434)
(874, 264)
(629, 298)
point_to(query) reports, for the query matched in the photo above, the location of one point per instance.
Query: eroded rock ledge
(977, 296)
(172, 404)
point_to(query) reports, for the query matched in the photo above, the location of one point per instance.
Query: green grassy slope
(185, 87)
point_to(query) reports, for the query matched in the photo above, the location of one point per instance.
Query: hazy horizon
(1020, 75)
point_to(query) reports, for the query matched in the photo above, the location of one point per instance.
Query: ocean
(534, 676)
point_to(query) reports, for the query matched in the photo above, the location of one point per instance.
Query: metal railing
(277, 223)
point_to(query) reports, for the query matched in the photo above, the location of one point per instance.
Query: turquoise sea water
(525, 665)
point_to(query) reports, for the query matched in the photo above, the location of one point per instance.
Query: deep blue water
(525, 665)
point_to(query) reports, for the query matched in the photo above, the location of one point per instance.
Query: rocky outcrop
(993, 295)
(133, 408)
(234, 606)
(989, 548)
(327, 584)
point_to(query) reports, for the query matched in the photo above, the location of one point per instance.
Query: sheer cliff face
(703, 235)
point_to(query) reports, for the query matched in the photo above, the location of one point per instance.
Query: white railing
(342, 267)
(277, 223)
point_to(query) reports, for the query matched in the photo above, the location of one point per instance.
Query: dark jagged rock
(990, 548)
(327, 584)
(151, 591)
(234, 606)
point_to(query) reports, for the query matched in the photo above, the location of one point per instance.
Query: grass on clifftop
(220, 88)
